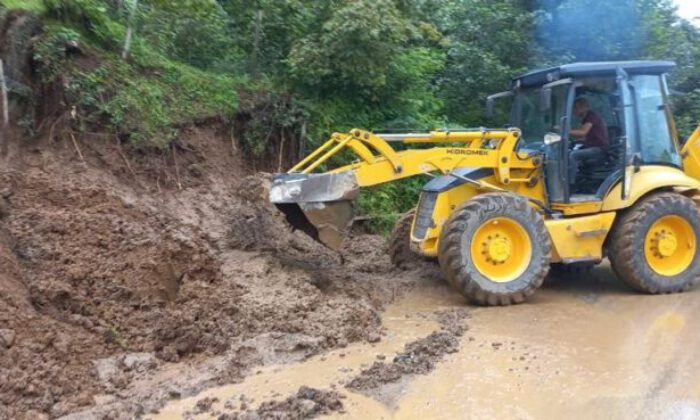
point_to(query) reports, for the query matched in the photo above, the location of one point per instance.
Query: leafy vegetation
(31, 5)
(309, 68)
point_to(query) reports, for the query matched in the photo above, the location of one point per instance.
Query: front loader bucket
(320, 205)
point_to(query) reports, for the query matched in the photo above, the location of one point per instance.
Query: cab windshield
(527, 115)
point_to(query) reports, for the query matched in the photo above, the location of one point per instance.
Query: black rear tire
(455, 249)
(627, 244)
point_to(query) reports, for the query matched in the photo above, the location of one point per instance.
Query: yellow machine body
(504, 204)
(578, 234)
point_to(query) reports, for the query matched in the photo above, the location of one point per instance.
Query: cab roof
(588, 69)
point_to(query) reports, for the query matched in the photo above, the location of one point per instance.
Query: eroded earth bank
(131, 280)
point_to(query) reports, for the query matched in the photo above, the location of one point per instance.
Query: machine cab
(630, 100)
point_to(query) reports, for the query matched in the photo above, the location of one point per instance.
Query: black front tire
(455, 245)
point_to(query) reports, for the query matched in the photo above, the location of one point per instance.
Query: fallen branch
(77, 149)
(234, 148)
(177, 170)
(126, 161)
(53, 126)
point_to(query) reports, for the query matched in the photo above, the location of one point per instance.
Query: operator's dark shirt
(598, 134)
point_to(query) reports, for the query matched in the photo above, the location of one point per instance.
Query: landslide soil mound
(177, 255)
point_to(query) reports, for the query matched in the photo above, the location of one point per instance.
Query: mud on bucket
(320, 205)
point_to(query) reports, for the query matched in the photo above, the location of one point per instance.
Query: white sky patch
(689, 9)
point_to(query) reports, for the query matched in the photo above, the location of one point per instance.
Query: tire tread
(475, 211)
(624, 249)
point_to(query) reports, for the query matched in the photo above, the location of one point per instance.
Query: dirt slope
(147, 259)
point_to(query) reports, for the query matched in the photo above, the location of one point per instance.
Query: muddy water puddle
(583, 348)
(413, 317)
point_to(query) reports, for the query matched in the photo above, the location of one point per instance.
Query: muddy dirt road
(581, 348)
(125, 296)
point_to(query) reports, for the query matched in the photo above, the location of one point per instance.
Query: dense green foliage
(336, 64)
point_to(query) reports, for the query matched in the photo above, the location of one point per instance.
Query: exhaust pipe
(320, 205)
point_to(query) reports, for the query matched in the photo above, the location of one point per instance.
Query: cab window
(533, 121)
(655, 139)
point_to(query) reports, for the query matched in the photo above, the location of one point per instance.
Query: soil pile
(174, 257)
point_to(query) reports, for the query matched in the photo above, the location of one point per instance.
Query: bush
(148, 108)
(50, 52)
(384, 204)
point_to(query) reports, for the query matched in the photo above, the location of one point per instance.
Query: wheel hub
(665, 244)
(501, 249)
(498, 249)
(670, 245)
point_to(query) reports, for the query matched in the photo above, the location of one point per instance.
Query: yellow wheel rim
(501, 249)
(670, 245)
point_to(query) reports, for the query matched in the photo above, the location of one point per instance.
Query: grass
(31, 5)
(145, 98)
(150, 105)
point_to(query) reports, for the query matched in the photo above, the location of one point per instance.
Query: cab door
(558, 121)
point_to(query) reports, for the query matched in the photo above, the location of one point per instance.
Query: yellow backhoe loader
(501, 209)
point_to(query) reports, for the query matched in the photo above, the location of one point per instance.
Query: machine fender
(432, 197)
(648, 179)
(447, 182)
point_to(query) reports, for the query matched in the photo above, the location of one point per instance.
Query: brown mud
(307, 403)
(587, 347)
(120, 265)
(419, 357)
(135, 290)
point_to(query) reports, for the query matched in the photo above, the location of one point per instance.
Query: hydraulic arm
(321, 204)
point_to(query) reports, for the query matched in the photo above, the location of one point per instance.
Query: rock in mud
(7, 338)
(204, 405)
(107, 369)
(139, 362)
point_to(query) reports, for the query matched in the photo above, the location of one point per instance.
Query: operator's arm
(581, 132)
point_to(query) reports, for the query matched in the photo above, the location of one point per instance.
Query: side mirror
(551, 138)
(490, 102)
(545, 99)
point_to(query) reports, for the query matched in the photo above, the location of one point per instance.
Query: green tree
(488, 41)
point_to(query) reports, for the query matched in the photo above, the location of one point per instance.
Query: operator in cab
(593, 133)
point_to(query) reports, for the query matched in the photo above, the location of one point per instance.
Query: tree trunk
(130, 30)
(257, 41)
(5, 113)
(5, 104)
